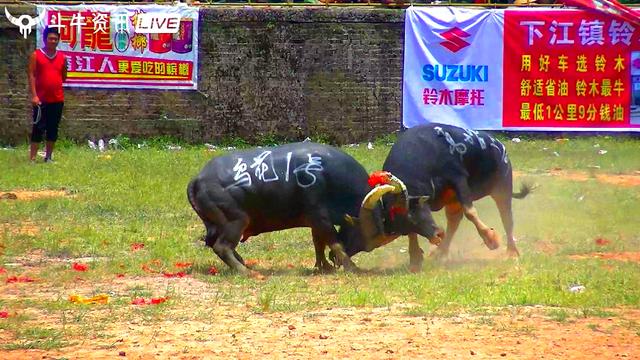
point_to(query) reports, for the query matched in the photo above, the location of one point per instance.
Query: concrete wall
(286, 72)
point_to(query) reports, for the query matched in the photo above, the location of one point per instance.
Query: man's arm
(64, 68)
(31, 74)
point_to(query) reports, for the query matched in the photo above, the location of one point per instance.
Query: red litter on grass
(19, 279)
(251, 262)
(182, 265)
(2, 270)
(137, 246)
(4, 314)
(602, 242)
(156, 301)
(80, 267)
(138, 301)
(152, 301)
(156, 264)
(120, 275)
(173, 275)
(213, 271)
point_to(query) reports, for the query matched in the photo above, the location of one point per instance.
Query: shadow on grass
(430, 267)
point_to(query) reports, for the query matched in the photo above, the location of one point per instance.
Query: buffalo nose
(437, 237)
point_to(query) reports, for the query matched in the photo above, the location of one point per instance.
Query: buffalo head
(382, 220)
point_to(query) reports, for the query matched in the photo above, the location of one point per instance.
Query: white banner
(453, 67)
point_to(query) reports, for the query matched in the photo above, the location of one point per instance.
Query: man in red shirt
(47, 70)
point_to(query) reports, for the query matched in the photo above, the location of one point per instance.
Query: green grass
(37, 338)
(139, 196)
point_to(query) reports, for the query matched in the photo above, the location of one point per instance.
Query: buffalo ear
(351, 220)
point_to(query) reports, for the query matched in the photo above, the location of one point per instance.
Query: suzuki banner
(521, 69)
(126, 46)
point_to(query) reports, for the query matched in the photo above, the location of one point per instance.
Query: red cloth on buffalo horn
(379, 178)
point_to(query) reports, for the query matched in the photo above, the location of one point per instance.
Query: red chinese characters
(456, 97)
(567, 69)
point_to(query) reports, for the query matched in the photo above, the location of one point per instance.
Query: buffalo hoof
(439, 254)
(352, 268)
(324, 269)
(256, 275)
(333, 259)
(415, 268)
(513, 253)
(415, 263)
(491, 239)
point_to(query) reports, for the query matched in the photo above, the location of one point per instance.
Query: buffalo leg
(324, 231)
(321, 261)
(454, 216)
(224, 226)
(238, 257)
(212, 234)
(211, 237)
(416, 256)
(225, 245)
(489, 236)
(503, 202)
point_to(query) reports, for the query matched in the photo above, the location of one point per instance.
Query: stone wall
(292, 72)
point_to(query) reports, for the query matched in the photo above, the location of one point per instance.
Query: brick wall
(289, 72)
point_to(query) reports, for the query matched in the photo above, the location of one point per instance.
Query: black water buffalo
(295, 185)
(449, 167)
(260, 190)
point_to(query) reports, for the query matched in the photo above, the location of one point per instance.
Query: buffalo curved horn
(401, 189)
(371, 225)
(370, 201)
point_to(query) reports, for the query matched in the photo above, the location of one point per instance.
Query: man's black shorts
(46, 119)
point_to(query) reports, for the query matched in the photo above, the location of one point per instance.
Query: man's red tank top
(49, 76)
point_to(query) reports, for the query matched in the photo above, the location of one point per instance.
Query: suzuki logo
(453, 37)
(25, 29)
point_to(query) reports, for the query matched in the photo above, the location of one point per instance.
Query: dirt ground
(620, 256)
(26, 195)
(626, 180)
(238, 331)
(351, 333)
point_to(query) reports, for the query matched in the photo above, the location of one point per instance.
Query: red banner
(108, 67)
(570, 69)
(107, 48)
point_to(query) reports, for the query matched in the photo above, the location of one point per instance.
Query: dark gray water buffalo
(260, 190)
(448, 167)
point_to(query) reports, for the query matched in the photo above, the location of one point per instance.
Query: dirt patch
(349, 333)
(199, 324)
(38, 258)
(629, 180)
(621, 180)
(27, 195)
(27, 228)
(625, 180)
(620, 256)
